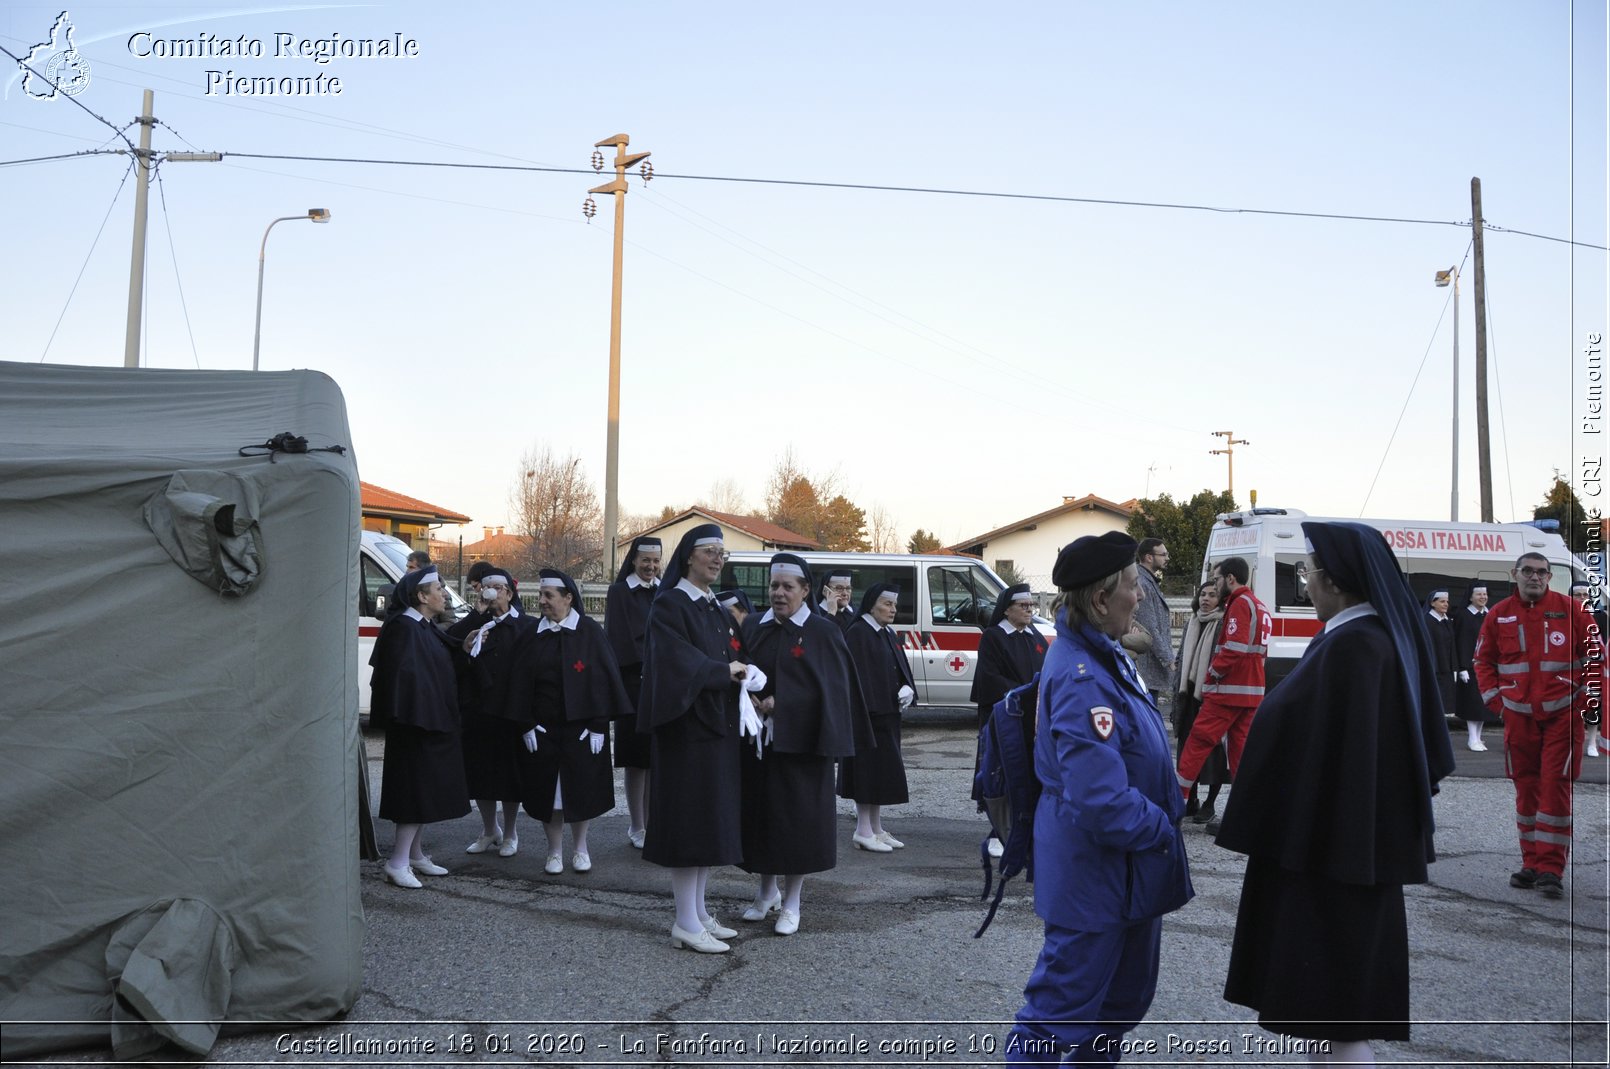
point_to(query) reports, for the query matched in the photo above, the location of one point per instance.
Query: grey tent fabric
(179, 771)
(207, 521)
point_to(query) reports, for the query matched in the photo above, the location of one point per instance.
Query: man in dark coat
(626, 608)
(878, 778)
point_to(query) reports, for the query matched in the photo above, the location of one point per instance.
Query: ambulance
(1435, 555)
(945, 603)
(382, 560)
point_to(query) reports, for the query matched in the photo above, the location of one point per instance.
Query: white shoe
(717, 929)
(870, 842)
(758, 910)
(403, 877)
(555, 864)
(425, 866)
(996, 847)
(787, 922)
(889, 840)
(702, 941)
(581, 862)
(510, 847)
(1477, 745)
(636, 837)
(1593, 749)
(483, 844)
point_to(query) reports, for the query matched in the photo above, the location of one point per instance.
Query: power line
(49, 341)
(66, 156)
(173, 254)
(56, 84)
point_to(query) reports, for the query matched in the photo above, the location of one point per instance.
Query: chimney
(486, 532)
(500, 530)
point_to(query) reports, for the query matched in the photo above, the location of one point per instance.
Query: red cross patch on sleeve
(1101, 722)
(578, 666)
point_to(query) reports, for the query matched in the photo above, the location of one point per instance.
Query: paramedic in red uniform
(1533, 664)
(1234, 686)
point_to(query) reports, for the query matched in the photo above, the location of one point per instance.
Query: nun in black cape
(415, 702)
(876, 778)
(626, 606)
(1321, 942)
(813, 708)
(693, 660)
(1007, 658)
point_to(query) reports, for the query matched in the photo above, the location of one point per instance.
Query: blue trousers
(1087, 990)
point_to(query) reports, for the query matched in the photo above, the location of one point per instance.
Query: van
(382, 560)
(945, 602)
(1434, 555)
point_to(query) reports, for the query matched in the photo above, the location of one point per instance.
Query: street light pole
(314, 215)
(1443, 279)
(623, 160)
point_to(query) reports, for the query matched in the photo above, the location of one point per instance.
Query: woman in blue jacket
(1108, 858)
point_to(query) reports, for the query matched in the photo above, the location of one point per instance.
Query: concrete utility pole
(1444, 278)
(623, 160)
(1484, 452)
(1228, 452)
(142, 190)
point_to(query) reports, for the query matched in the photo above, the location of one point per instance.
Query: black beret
(1091, 559)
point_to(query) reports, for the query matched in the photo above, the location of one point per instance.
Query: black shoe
(1190, 805)
(1525, 879)
(1205, 815)
(1550, 885)
(1213, 826)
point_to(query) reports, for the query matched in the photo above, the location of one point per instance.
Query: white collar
(693, 592)
(634, 582)
(1435, 615)
(413, 613)
(1006, 625)
(1472, 610)
(1352, 612)
(512, 614)
(798, 619)
(568, 623)
(875, 625)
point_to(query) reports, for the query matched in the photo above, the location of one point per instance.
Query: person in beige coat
(1190, 671)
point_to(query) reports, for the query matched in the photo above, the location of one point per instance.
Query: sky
(961, 361)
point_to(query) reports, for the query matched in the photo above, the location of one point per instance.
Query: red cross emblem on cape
(578, 666)
(734, 643)
(1101, 722)
(1039, 647)
(799, 648)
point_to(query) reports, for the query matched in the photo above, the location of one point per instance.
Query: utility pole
(623, 160)
(1484, 453)
(142, 189)
(1444, 278)
(1228, 452)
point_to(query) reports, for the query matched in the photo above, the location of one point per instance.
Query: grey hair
(1080, 601)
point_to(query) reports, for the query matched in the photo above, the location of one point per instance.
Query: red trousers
(1214, 721)
(1543, 757)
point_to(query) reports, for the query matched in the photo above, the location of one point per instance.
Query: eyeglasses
(1536, 573)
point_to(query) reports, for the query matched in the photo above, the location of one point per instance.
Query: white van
(382, 560)
(1434, 555)
(945, 602)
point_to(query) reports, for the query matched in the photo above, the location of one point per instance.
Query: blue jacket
(1107, 850)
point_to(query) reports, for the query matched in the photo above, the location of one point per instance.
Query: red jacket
(1235, 675)
(1536, 660)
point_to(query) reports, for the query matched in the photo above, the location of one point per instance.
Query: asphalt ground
(498, 963)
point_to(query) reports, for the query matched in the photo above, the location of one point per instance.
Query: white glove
(530, 738)
(768, 731)
(907, 696)
(1462, 675)
(748, 720)
(594, 739)
(480, 636)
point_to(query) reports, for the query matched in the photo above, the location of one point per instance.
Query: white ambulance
(382, 560)
(1435, 555)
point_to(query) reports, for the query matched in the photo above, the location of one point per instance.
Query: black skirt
(879, 777)
(585, 779)
(1319, 959)
(492, 758)
(789, 813)
(631, 745)
(422, 776)
(694, 796)
(1468, 705)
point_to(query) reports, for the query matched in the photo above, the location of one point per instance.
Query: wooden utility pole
(1484, 455)
(142, 189)
(1228, 452)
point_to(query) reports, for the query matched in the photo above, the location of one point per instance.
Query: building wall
(672, 533)
(1034, 552)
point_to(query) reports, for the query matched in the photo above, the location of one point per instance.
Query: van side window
(955, 594)
(1291, 583)
(370, 580)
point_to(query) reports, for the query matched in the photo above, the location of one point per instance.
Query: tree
(841, 525)
(1009, 573)
(882, 531)
(800, 500)
(1184, 527)
(725, 496)
(554, 505)
(1562, 504)
(922, 542)
(798, 507)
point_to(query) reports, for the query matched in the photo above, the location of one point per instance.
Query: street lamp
(1445, 278)
(315, 215)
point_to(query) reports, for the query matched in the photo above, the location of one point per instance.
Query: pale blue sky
(903, 339)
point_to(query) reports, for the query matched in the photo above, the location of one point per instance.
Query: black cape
(881, 666)
(1467, 696)
(590, 677)
(1004, 661)
(414, 684)
(1441, 634)
(685, 658)
(626, 622)
(1334, 730)
(819, 708)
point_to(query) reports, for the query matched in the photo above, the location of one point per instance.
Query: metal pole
(142, 190)
(1484, 453)
(316, 215)
(1453, 495)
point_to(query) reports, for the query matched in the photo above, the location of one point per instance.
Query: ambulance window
(1291, 583)
(371, 580)
(1427, 574)
(961, 594)
(752, 577)
(863, 576)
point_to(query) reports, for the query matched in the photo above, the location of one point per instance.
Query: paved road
(579, 969)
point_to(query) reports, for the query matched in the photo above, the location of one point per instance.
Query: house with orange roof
(401, 516)
(1029, 546)
(740, 532)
